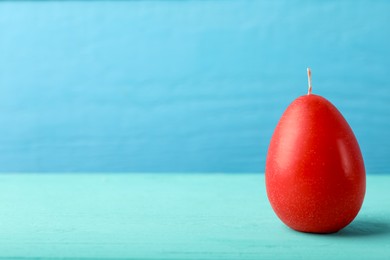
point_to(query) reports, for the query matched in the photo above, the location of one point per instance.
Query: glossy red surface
(315, 175)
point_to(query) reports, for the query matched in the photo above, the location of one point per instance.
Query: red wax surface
(315, 176)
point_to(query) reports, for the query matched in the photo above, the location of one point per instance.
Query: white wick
(309, 80)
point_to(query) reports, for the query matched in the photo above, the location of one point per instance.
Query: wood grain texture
(172, 216)
(185, 86)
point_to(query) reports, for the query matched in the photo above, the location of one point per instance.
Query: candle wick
(309, 80)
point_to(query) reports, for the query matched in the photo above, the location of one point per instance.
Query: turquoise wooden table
(171, 216)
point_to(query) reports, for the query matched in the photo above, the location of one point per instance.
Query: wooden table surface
(171, 216)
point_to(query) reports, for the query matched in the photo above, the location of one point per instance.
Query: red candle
(315, 176)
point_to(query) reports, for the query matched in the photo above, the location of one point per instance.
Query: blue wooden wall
(183, 86)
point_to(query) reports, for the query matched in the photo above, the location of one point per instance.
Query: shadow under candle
(365, 227)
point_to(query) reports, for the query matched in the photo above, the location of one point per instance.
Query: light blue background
(183, 86)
